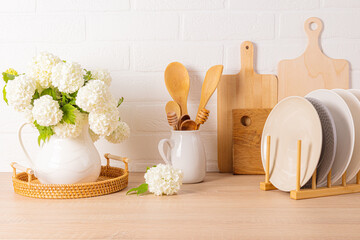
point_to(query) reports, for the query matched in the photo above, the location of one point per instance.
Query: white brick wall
(136, 39)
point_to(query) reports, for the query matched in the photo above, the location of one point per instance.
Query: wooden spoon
(178, 83)
(182, 119)
(172, 120)
(172, 106)
(212, 79)
(202, 117)
(188, 125)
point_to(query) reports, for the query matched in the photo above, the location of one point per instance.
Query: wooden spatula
(313, 69)
(178, 84)
(209, 85)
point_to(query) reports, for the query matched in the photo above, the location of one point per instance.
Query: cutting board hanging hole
(245, 121)
(313, 26)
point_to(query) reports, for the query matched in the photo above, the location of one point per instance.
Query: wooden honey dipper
(201, 117)
(172, 119)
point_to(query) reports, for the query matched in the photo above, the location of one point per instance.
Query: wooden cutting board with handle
(246, 89)
(248, 125)
(313, 69)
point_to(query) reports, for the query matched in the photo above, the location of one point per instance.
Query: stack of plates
(325, 122)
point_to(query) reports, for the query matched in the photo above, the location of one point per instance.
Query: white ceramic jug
(185, 152)
(66, 160)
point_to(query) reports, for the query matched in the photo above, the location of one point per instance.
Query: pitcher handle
(161, 149)
(22, 144)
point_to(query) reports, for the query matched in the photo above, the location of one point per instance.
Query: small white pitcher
(185, 152)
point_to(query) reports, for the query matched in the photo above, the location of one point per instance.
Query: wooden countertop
(222, 207)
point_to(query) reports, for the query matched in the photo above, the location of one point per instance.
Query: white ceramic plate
(329, 142)
(345, 130)
(292, 119)
(354, 165)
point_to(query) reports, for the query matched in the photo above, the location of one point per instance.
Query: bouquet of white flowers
(59, 97)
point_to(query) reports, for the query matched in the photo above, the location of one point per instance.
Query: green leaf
(74, 94)
(150, 167)
(51, 92)
(44, 132)
(63, 100)
(80, 109)
(68, 113)
(139, 190)
(120, 101)
(8, 76)
(73, 101)
(88, 76)
(4, 94)
(35, 96)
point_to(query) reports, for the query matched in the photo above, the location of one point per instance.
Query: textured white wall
(136, 39)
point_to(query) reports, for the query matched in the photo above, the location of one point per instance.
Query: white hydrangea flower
(121, 133)
(102, 75)
(93, 95)
(94, 137)
(40, 68)
(28, 114)
(163, 179)
(46, 111)
(20, 91)
(67, 77)
(67, 130)
(104, 120)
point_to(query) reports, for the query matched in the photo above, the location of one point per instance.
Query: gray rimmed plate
(345, 130)
(328, 150)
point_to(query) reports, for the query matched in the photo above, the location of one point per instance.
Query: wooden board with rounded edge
(246, 89)
(248, 125)
(313, 69)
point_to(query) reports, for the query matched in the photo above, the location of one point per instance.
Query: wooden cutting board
(246, 89)
(313, 69)
(248, 125)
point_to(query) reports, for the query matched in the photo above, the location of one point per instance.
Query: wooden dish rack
(111, 179)
(312, 192)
